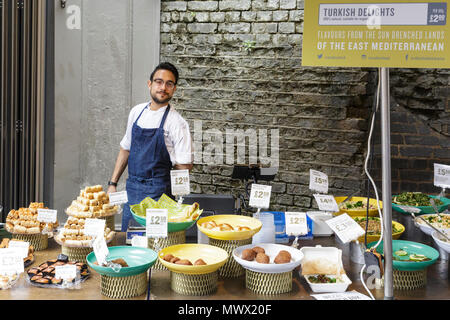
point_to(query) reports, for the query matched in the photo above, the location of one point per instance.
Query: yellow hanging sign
(396, 34)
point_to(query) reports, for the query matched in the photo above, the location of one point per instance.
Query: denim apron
(149, 167)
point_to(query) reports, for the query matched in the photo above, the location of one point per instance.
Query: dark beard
(158, 101)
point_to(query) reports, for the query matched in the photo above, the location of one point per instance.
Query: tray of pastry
(44, 274)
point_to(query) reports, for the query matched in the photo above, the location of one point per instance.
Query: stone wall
(240, 68)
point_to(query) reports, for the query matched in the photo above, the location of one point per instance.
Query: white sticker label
(21, 247)
(260, 196)
(180, 182)
(139, 241)
(100, 250)
(120, 197)
(345, 228)
(156, 223)
(296, 224)
(94, 227)
(326, 202)
(11, 261)
(441, 175)
(47, 215)
(318, 181)
(409, 209)
(351, 295)
(66, 272)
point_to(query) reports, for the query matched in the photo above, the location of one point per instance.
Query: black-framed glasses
(160, 82)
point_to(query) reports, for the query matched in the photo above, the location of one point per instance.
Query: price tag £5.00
(260, 196)
(156, 223)
(180, 182)
(441, 175)
(326, 202)
(296, 223)
(318, 181)
(345, 228)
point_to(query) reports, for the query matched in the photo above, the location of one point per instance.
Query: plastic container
(267, 232)
(340, 286)
(319, 227)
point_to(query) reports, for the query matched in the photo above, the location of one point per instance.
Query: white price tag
(180, 182)
(260, 196)
(100, 250)
(351, 295)
(47, 215)
(409, 209)
(441, 175)
(296, 224)
(318, 181)
(156, 223)
(94, 227)
(345, 228)
(120, 197)
(326, 202)
(139, 241)
(21, 246)
(11, 261)
(66, 272)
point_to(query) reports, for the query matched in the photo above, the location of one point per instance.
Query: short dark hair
(165, 66)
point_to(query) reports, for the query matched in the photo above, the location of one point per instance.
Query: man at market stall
(156, 141)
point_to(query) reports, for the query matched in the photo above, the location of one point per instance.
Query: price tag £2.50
(180, 182)
(156, 223)
(260, 196)
(296, 223)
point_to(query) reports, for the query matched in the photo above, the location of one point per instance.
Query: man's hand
(112, 189)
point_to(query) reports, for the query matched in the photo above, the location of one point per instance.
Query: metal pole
(386, 183)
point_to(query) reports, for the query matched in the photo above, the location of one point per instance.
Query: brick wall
(240, 67)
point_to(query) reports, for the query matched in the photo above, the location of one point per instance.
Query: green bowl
(425, 209)
(139, 261)
(411, 248)
(171, 226)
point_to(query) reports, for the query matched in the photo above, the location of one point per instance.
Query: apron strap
(164, 117)
(141, 113)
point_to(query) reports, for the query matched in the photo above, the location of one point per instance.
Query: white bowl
(272, 251)
(330, 287)
(439, 239)
(423, 226)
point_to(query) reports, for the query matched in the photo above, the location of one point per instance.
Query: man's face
(162, 87)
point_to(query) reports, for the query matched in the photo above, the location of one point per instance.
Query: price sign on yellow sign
(402, 34)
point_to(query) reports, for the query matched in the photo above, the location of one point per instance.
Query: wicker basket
(268, 283)
(231, 269)
(39, 241)
(76, 254)
(194, 284)
(408, 280)
(124, 287)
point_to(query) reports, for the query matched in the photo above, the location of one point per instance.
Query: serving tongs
(349, 196)
(115, 266)
(433, 204)
(431, 226)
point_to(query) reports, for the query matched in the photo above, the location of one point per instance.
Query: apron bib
(149, 167)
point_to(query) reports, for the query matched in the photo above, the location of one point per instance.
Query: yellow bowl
(359, 212)
(373, 238)
(214, 257)
(233, 220)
